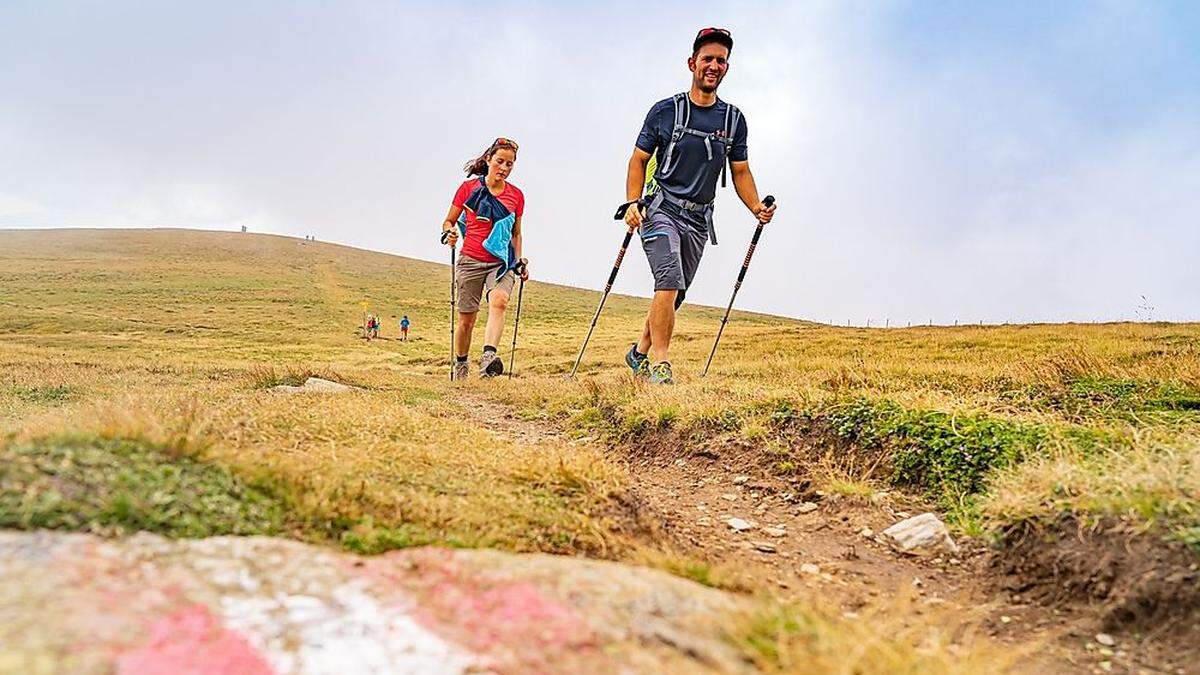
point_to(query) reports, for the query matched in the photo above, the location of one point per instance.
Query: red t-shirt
(478, 230)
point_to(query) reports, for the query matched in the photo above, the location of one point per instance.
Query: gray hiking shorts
(475, 279)
(674, 243)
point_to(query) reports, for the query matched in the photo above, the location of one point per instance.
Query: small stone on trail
(739, 525)
(774, 532)
(764, 546)
(729, 497)
(740, 480)
(1105, 639)
(809, 568)
(867, 532)
(913, 535)
(806, 507)
(1005, 619)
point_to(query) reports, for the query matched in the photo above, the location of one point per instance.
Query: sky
(933, 161)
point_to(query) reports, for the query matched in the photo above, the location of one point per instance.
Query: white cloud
(947, 180)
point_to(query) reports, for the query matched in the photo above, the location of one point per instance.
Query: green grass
(44, 394)
(123, 486)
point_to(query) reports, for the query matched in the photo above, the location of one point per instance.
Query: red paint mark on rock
(513, 621)
(192, 641)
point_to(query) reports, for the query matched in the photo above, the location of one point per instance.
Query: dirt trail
(691, 494)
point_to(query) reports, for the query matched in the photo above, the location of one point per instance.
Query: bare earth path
(805, 544)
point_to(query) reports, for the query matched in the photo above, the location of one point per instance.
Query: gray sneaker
(660, 373)
(490, 364)
(460, 371)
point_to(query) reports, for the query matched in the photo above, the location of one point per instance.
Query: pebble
(774, 532)
(740, 480)
(764, 546)
(1105, 639)
(867, 532)
(739, 525)
(729, 497)
(809, 568)
(806, 507)
(1006, 619)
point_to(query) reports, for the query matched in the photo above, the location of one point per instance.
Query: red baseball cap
(707, 35)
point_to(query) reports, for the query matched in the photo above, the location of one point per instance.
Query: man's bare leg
(643, 345)
(661, 322)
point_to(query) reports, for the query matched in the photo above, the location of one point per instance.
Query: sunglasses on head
(504, 143)
(710, 31)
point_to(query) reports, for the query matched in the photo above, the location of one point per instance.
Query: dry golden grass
(171, 336)
(898, 636)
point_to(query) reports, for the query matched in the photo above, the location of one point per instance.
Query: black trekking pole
(512, 354)
(611, 277)
(453, 316)
(737, 286)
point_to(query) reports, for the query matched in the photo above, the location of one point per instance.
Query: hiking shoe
(660, 373)
(638, 363)
(460, 370)
(490, 364)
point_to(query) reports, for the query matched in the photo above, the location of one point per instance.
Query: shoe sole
(496, 367)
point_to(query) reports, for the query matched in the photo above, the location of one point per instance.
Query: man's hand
(522, 269)
(633, 216)
(764, 213)
(450, 236)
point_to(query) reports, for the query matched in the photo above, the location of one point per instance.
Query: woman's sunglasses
(504, 143)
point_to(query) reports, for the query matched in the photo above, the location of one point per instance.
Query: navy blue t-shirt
(694, 176)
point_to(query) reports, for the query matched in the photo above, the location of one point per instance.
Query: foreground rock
(314, 385)
(920, 534)
(78, 603)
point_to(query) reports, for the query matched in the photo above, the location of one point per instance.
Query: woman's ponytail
(478, 166)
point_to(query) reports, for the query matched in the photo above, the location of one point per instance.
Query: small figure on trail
(685, 143)
(404, 324)
(487, 209)
(372, 326)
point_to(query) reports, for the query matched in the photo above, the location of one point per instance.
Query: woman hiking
(487, 210)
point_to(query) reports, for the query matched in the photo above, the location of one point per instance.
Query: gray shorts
(674, 243)
(474, 279)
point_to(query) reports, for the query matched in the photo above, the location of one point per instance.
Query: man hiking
(487, 209)
(686, 141)
(404, 324)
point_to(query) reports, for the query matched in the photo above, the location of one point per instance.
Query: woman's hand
(450, 236)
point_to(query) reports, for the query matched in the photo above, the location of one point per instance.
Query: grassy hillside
(135, 367)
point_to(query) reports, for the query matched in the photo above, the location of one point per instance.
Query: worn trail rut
(807, 546)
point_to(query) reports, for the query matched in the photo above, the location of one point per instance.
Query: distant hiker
(404, 324)
(686, 141)
(487, 209)
(373, 326)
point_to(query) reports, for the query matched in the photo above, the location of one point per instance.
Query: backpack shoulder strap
(732, 117)
(683, 114)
